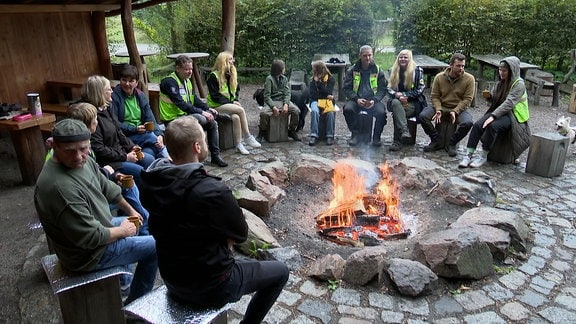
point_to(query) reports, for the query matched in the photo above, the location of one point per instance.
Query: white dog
(564, 129)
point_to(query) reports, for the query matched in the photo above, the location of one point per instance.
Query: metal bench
(86, 297)
(158, 308)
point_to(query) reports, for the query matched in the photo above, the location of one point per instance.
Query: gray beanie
(70, 130)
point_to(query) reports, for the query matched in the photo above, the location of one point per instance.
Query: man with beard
(452, 93)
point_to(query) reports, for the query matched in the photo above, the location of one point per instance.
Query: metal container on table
(34, 106)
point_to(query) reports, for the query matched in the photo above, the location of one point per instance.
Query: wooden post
(130, 39)
(572, 107)
(228, 25)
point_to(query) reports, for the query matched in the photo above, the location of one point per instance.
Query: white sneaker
(478, 161)
(250, 140)
(466, 160)
(240, 147)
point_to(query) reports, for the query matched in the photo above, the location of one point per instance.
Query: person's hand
(208, 116)
(108, 169)
(160, 141)
(403, 99)
(237, 103)
(49, 143)
(331, 97)
(488, 122)
(285, 108)
(369, 104)
(131, 157)
(453, 117)
(361, 102)
(398, 95)
(316, 78)
(437, 118)
(140, 129)
(213, 111)
(275, 111)
(128, 228)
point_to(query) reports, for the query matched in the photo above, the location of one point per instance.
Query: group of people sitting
(112, 133)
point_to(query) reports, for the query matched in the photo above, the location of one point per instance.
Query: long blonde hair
(408, 73)
(93, 90)
(222, 66)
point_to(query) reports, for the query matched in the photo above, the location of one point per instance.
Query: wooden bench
(91, 297)
(537, 83)
(158, 308)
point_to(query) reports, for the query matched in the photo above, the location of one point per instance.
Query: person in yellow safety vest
(508, 111)
(177, 98)
(223, 96)
(365, 87)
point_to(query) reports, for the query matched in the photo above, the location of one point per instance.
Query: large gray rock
(276, 172)
(509, 221)
(362, 266)
(411, 278)
(312, 169)
(497, 240)
(417, 173)
(455, 253)
(259, 235)
(329, 267)
(253, 201)
(287, 255)
(471, 190)
(258, 182)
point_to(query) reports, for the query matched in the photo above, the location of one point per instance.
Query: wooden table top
(427, 62)
(11, 125)
(141, 53)
(194, 55)
(495, 59)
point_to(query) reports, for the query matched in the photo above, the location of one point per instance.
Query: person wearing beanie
(508, 111)
(72, 198)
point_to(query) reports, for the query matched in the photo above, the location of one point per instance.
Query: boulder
(329, 267)
(256, 181)
(411, 278)
(417, 173)
(276, 172)
(287, 255)
(454, 253)
(253, 201)
(312, 169)
(259, 235)
(362, 266)
(509, 221)
(471, 190)
(498, 241)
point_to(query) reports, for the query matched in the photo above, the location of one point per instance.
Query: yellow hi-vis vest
(168, 110)
(373, 80)
(521, 108)
(224, 91)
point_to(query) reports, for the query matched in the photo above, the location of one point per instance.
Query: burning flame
(351, 199)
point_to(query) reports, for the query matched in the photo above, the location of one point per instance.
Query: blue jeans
(134, 168)
(266, 278)
(330, 119)
(148, 142)
(132, 196)
(130, 250)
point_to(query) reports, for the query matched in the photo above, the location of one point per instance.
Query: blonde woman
(405, 95)
(321, 87)
(223, 96)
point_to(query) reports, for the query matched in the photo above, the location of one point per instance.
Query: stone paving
(540, 290)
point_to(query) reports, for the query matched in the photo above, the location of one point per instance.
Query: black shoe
(217, 160)
(376, 143)
(330, 141)
(353, 141)
(452, 150)
(261, 137)
(433, 146)
(312, 141)
(395, 147)
(293, 135)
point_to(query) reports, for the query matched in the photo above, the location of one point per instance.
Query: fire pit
(358, 215)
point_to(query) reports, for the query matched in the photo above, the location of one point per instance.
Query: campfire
(359, 216)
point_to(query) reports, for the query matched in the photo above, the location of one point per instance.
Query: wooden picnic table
(430, 65)
(196, 79)
(493, 61)
(29, 144)
(143, 54)
(340, 68)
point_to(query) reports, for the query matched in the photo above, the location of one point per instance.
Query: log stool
(86, 297)
(502, 152)
(547, 154)
(226, 131)
(277, 129)
(445, 130)
(157, 307)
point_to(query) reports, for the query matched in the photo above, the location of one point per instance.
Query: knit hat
(70, 130)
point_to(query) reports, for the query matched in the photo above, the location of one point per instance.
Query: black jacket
(108, 142)
(192, 216)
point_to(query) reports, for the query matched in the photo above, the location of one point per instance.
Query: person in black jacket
(195, 220)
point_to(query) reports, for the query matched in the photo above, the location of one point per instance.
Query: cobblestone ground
(541, 290)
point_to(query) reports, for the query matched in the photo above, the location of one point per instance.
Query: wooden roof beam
(137, 6)
(44, 8)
